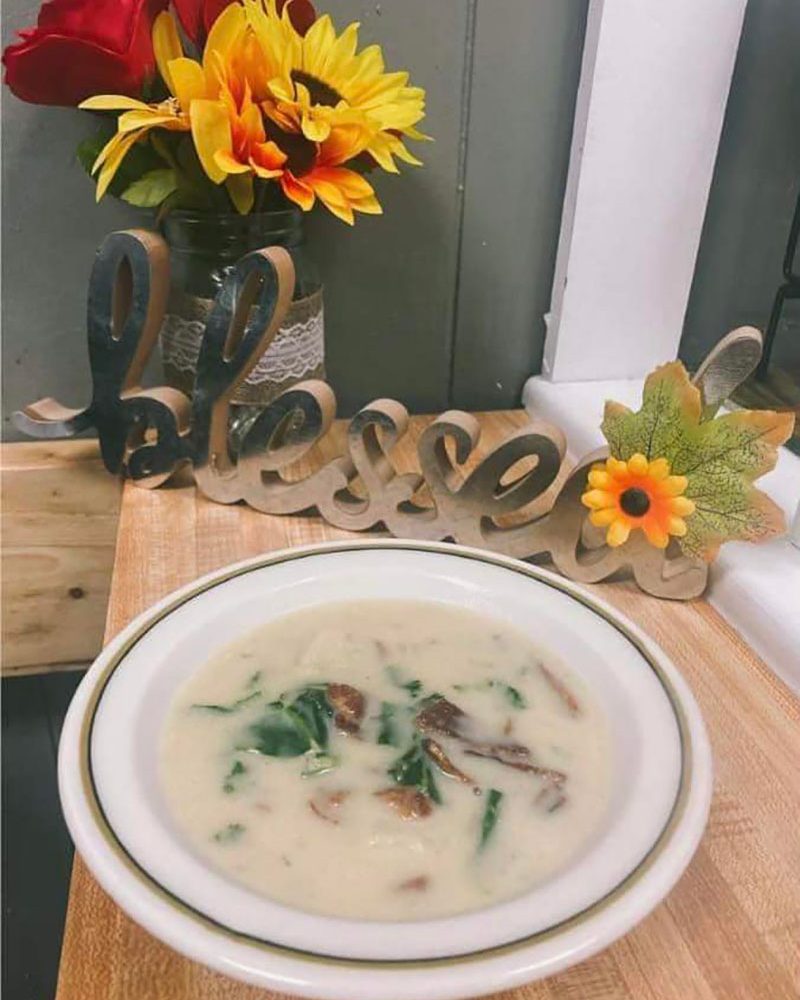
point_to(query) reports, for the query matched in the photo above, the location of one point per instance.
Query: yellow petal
(369, 205)
(228, 163)
(659, 468)
(112, 102)
(616, 467)
(240, 188)
(617, 533)
(638, 464)
(600, 479)
(673, 485)
(225, 31)
(114, 157)
(682, 506)
(315, 129)
(597, 499)
(602, 518)
(655, 535)
(211, 131)
(676, 526)
(130, 120)
(188, 81)
(166, 46)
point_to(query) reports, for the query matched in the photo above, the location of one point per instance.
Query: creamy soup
(386, 760)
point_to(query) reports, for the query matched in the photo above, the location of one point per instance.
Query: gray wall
(439, 301)
(754, 190)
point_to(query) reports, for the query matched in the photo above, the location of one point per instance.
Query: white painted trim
(755, 587)
(649, 112)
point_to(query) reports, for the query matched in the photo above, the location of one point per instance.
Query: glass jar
(203, 250)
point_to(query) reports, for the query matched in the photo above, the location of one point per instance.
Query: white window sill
(755, 587)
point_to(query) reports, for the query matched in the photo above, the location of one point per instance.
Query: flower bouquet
(230, 120)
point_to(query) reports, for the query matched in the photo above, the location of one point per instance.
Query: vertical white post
(649, 112)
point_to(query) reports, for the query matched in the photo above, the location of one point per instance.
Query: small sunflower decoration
(674, 475)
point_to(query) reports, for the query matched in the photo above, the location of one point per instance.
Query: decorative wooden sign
(146, 434)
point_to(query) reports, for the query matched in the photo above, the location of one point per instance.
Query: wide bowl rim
(277, 966)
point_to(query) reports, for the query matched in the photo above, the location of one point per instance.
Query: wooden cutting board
(731, 927)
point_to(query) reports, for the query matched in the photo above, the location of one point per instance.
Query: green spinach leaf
(414, 769)
(229, 833)
(388, 733)
(491, 814)
(312, 712)
(396, 677)
(227, 709)
(236, 771)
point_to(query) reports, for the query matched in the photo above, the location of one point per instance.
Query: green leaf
(720, 457)
(491, 814)
(319, 763)
(237, 770)
(139, 160)
(511, 694)
(670, 411)
(277, 734)
(396, 677)
(414, 769)
(311, 710)
(228, 709)
(151, 189)
(730, 452)
(388, 733)
(290, 730)
(229, 834)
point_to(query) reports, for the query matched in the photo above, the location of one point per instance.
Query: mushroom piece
(568, 698)
(441, 717)
(326, 805)
(407, 802)
(348, 707)
(417, 884)
(436, 753)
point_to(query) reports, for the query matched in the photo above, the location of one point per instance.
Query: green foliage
(491, 814)
(152, 188)
(414, 769)
(388, 732)
(294, 728)
(140, 159)
(230, 833)
(227, 709)
(720, 457)
(512, 695)
(396, 677)
(230, 783)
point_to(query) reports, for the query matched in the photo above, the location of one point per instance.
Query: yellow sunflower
(625, 496)
(313, 83)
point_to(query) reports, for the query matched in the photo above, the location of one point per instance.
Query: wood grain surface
(731, 927)
(58, 527)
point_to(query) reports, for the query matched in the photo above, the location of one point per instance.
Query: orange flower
(342, 191)
(635, 494)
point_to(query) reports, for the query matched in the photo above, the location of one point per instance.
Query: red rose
(197, 16)
(83, 47)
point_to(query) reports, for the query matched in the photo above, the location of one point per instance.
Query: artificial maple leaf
(720, 457)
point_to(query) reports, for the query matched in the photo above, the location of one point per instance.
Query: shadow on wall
(754, 190)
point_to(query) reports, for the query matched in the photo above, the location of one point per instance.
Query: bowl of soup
(385, 769)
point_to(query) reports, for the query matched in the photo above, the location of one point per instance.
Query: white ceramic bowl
(120, 823)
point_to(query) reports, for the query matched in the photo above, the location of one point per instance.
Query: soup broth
(386, 760)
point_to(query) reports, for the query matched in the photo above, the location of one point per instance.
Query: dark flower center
(635, 502)
(320, 92)
(301, 153)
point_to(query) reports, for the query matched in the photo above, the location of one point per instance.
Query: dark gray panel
(754, 188)
(389, 282)
(526, 66)
(37, 852)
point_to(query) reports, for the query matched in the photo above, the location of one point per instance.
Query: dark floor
(37, 851)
